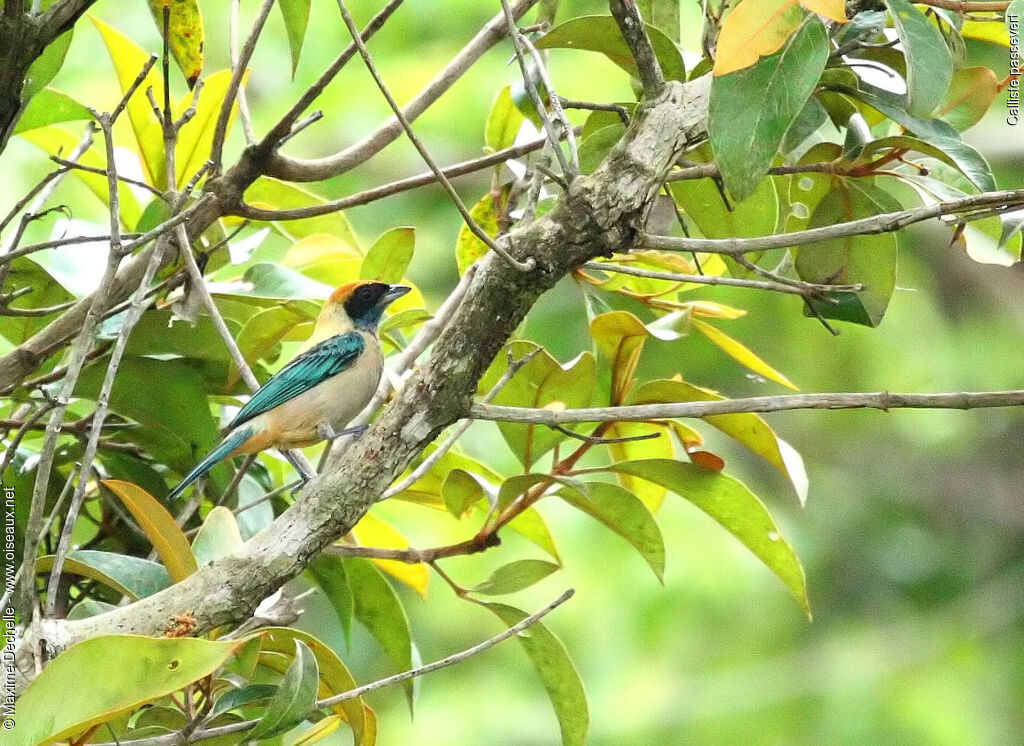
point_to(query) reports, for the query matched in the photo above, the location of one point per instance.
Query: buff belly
(297, 422)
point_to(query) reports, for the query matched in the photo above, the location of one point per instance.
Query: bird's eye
(364, 293)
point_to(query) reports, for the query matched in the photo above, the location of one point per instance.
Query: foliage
(797, 139)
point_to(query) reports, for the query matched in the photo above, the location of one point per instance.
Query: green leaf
(867, 259)
(515, 577)
(49, 107)
(751, 109)
(330, 575)
(970, 95)
(235, 698)
(461, 489)
(114, 674)
(663, 15)
(272, 194)
(131, 576)
(807, 122)
(469, 248)
(623, 513)
(378, 608)
(602, 34)
(530, 525)
(335, 677)
(542, 382)
(503, 121)
(736, 508)
(704, 204)
(217, 537)
(267, 280)
(651, 495)
(159, 526)
(389, 257)
(556, 671)
(594, 148)
(295, 696)
(929, 62)
(264, 331)
(87, 608)
(296, 19)
(184, 34)
(175, 416)
(46, 65)
(950, 151)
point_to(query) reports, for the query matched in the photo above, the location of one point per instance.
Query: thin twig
(884, 223)
(285, 126)
(800, 288)
(569, 168)
(395, 187)
(297, 169)
(240, 95)
(522, 266)
(627, 15)
(100, 172)
(640, 412)
(78, 355)
(237, 72)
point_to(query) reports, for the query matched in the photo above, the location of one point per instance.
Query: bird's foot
(326, 432)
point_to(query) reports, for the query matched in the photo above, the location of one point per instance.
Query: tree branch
(642, 412)
(885, 223)
(297, 169)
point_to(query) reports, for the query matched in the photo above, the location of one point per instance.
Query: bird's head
(359, 305)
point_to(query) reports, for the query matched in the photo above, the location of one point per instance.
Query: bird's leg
(325, 431)
(304, 475)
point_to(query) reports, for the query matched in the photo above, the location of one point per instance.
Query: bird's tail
(218, 454)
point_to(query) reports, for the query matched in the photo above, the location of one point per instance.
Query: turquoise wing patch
(314, 366)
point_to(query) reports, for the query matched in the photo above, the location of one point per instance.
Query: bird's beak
(396, 292)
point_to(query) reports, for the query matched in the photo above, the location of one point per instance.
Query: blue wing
(314, 366)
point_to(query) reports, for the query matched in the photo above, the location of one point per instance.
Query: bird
(314, 396)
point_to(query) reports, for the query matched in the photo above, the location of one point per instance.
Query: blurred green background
(913, 535)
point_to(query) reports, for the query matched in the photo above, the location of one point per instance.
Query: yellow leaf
(834, 9)
(318, 732)
(184, 34)
(128, 58)
(621, 337)
(373, 532)
(755, 29)
(741, 353)
(714, 310)
(196, 138)
(159, 526)
(993, 33)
